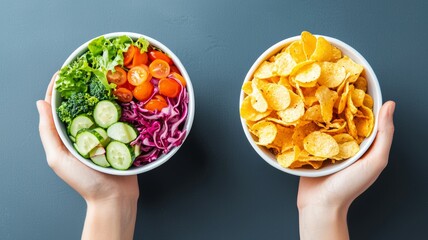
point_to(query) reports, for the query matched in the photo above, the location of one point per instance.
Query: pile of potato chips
(308, 103)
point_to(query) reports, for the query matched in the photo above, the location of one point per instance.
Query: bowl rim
(373, 87)
(56, 98)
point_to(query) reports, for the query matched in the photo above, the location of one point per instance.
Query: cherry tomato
(169, 87)
(137, 75)
(144, 91)
(118, 77)
(139, 58)
(175, 69)
(159, 68)
(154, 54)
(127, 85)
(178, 77)
(129, 55)
(156, 103)
(123, 94)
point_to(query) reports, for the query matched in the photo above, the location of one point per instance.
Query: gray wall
(216, 187)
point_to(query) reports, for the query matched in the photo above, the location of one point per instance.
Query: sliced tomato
(118, 77)
(178, 77)
(169, 87)
(123, 94)
(137, 75)
(154, 54)
(159, 68)
(129, 55)
(128, 86)
(175, 69)
(157, 103)
(144, 91)
(139, 58)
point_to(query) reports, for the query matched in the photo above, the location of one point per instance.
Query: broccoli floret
(98, 90)
(78, 103)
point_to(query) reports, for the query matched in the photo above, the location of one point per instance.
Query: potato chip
(247, 87)
(347, 150)
(327, 98)
(358, 97)
(258, 102)
(321, 145)
(309, 42)
(295, 110)
(308, 75)
(249, 113)
(265, 70)
(296, 51)
(308, 104)
(323, 51)
(277, 97)
(266, 132)
(332, 74)
(368, 101)
(284, 64)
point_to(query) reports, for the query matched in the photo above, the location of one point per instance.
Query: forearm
(323, 223)
(110, 219)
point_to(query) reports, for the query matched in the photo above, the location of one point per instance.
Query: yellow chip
(283, 139)
(247, 88)
(332, 74)
(258, 102)
(266, 132)
(352, 129)
(313, 114)
(350, 103)
(309, 42)
(265, 70)
(249, 113)
(368, 101)
(284, 82)
(308, 75)
(363, 126)
(295, 110)
(343, 99)
(321, 145)
(302, 129)
(277, 97)
(285, 159)
(343, 137)
(326, 98)
(304, 156)
(353, 68)
(358, 97)
(323, 51)
(347, 150)
(284, 64)
(368, 113)
(309, 96)
(338, 125)
(296, 51)
(337, 54)
(361, 83)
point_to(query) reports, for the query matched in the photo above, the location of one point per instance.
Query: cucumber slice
(103, 134)
(78, 123)
(77, 149)
(137, 150)
(98, 156)
(119, 155)
(122, 132)
(106, 113)
(86, 141)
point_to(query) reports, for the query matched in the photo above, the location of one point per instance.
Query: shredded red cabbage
(159, 131)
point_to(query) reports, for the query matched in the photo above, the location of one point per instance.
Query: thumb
(48, 134)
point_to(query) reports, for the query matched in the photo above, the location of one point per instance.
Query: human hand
(102, 192)
(330, 196)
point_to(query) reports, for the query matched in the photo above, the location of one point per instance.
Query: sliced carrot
(159, 68)
(169, 87)
(144, 91)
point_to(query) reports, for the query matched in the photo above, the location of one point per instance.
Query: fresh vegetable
(159, 68)
(154, 54)
(123, 94)
(128, 56)
(122, 132)
(169, 87)
(106, 113)
(178, 77)
(156, 104)
(119, 155)
(143, 91)
(78, 103)
(80, 122)
(118, 76)
(86, 141)
(139, 59)
(98, 90)
(137, 75)
(98, 156)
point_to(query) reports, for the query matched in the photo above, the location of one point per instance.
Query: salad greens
(78, 103)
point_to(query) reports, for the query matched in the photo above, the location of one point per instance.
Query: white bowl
(373, 90)
(56, 101)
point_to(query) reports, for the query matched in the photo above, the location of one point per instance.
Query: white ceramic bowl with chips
(373, 90)
(62, 131)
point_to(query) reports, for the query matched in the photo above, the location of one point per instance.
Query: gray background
(216, 187)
